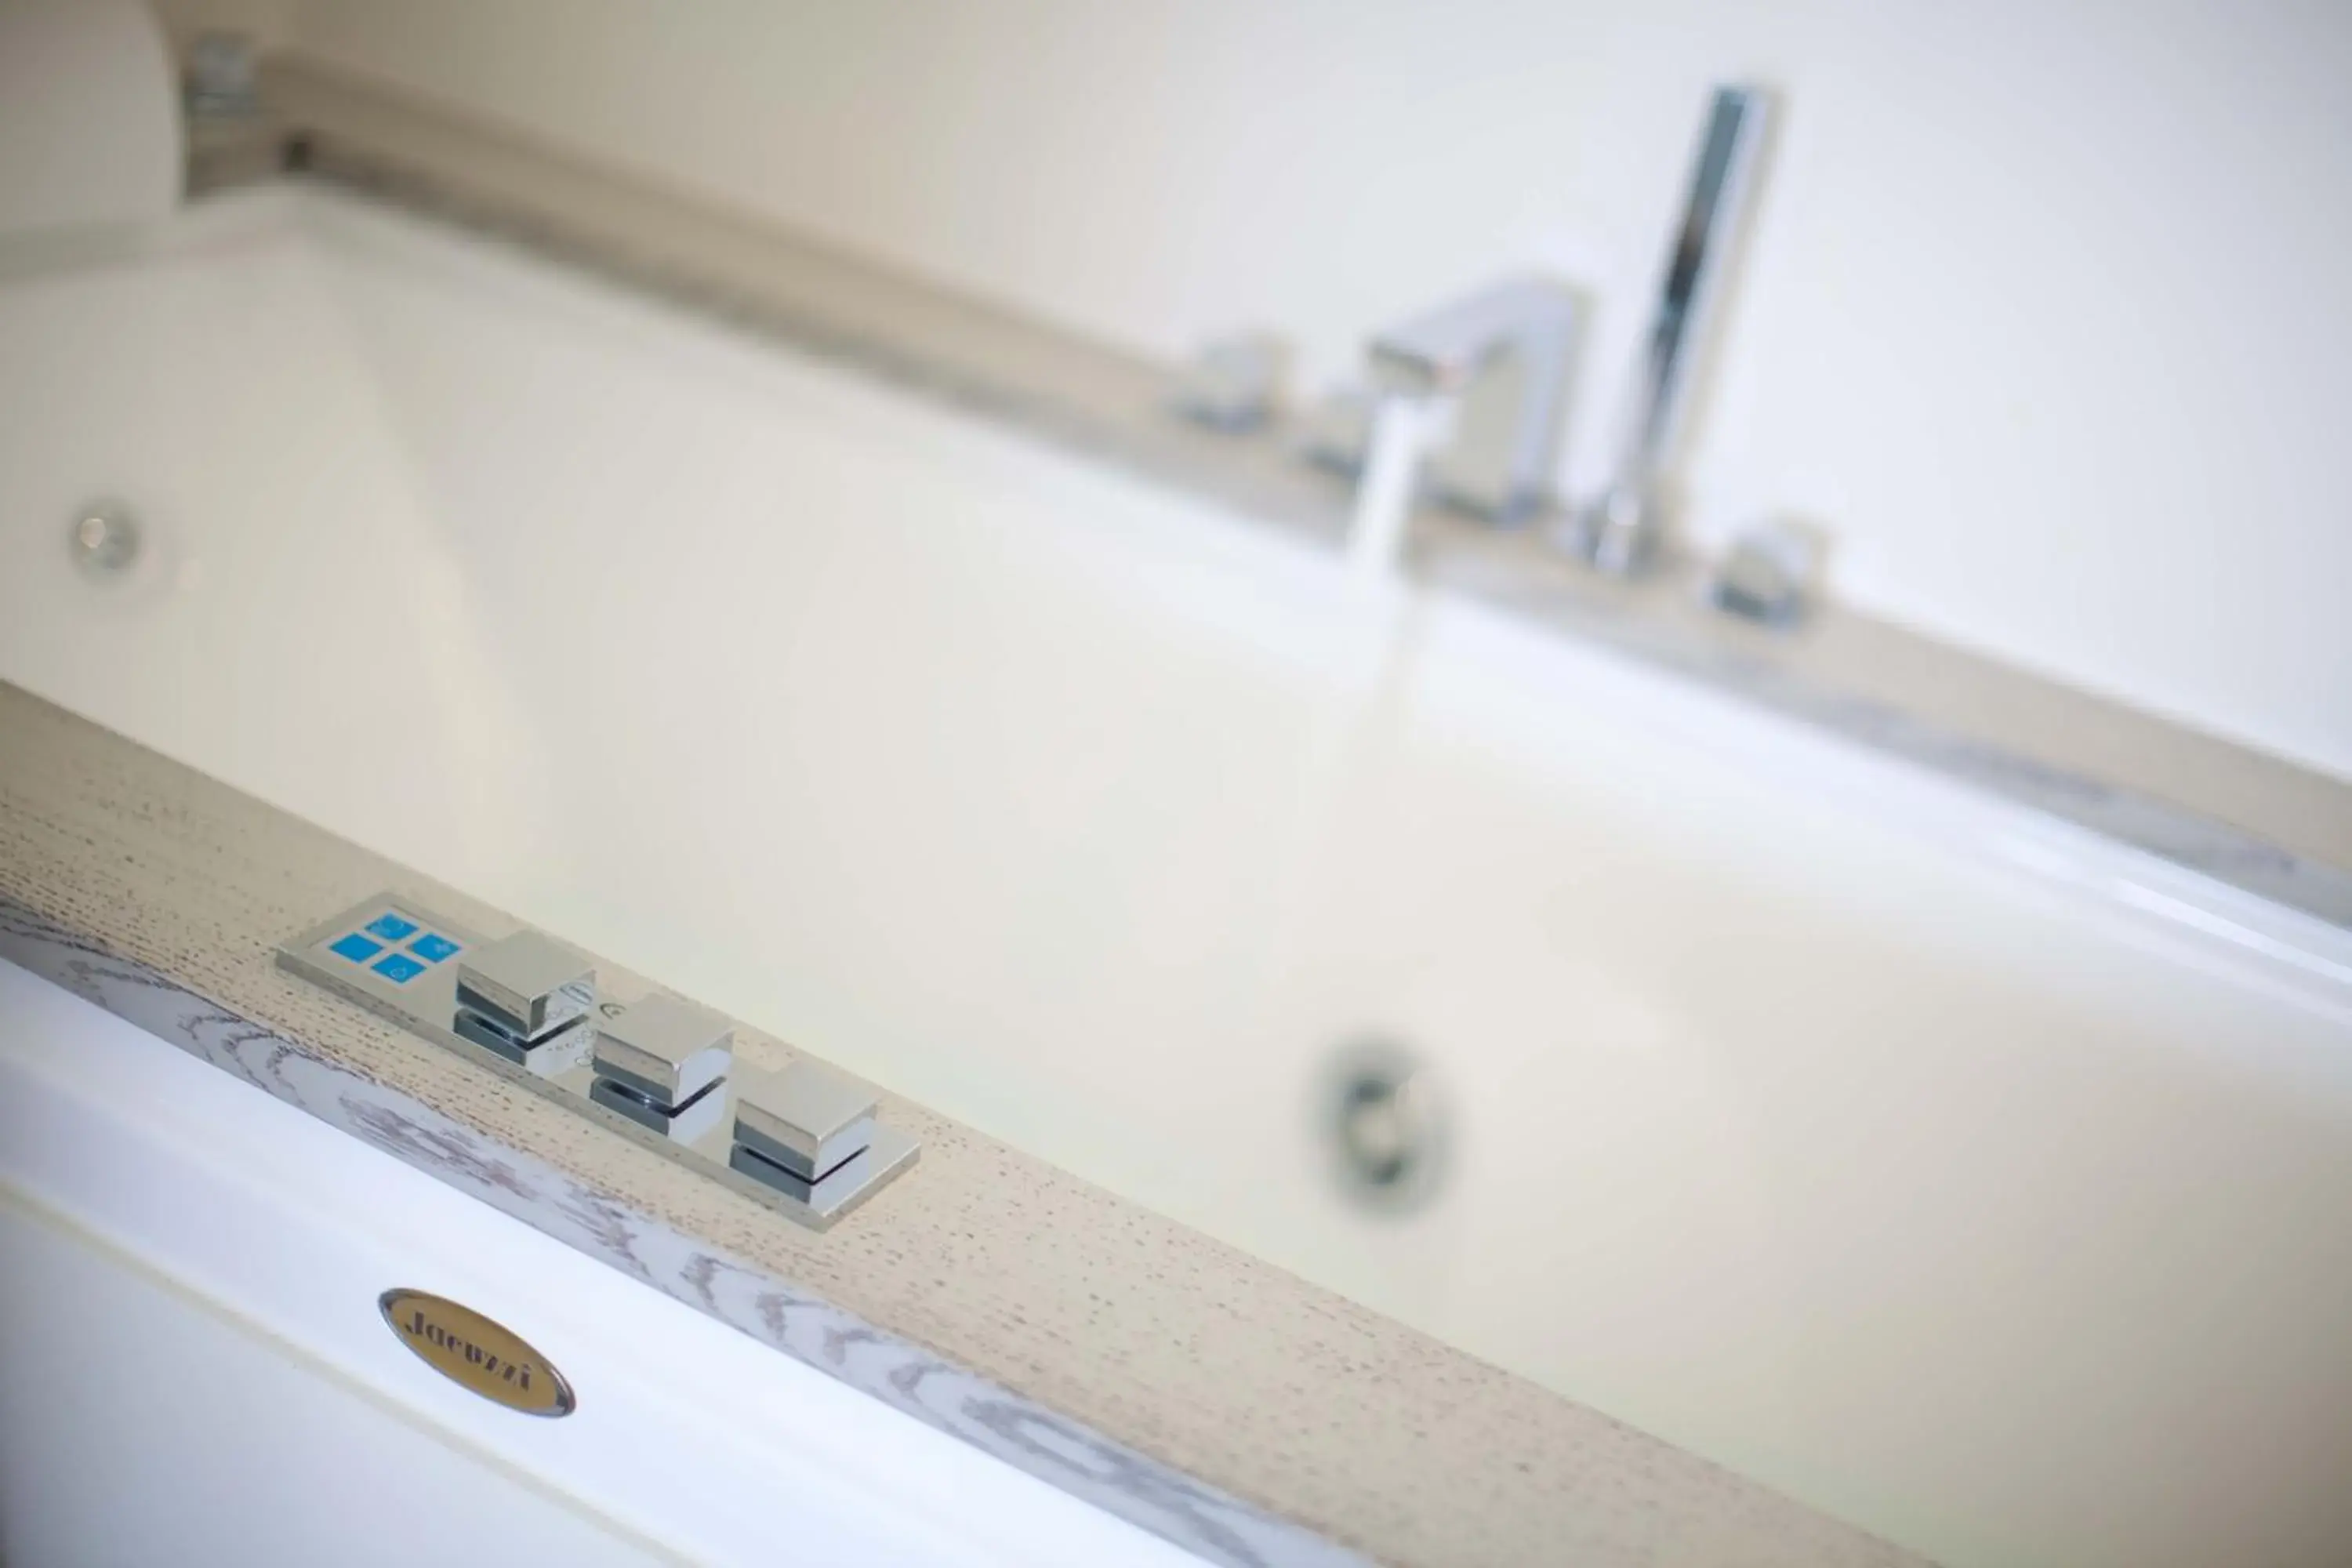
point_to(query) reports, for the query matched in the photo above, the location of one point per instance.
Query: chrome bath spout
(1493, 365)
(1506, 352)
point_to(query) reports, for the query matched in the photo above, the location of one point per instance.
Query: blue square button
(391, 927)
(398, 967)
(432, 947)
(356, 948)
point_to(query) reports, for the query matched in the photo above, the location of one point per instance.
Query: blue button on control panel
(433, 947)
(398, 967)
(356, 948)
(391, 927)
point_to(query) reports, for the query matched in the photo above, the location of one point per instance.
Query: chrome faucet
(1621, 530)
(1506, 352)
(1498, 363)
(1503, 359)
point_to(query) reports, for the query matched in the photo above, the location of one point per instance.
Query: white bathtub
(1971, 1178)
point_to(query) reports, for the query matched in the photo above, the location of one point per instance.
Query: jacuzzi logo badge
(474, 1352)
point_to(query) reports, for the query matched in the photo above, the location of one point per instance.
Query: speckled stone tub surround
(1164, 1376)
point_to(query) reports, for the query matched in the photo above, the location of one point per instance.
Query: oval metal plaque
(474, 1352)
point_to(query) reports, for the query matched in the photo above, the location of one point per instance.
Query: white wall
(2046, 317)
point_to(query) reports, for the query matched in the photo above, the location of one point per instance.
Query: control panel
(807, 1141)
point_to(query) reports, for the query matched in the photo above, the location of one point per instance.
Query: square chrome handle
(806, 1120)
(668, 1050)
(528, 984)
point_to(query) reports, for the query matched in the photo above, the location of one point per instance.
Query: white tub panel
(136, 1426)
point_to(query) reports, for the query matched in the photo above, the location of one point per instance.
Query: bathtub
(1969, 1176)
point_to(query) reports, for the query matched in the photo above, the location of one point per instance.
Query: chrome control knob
(663, 1064)
(803, 1128)
(1771, 574)
(1234, 383)
(527, 997)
